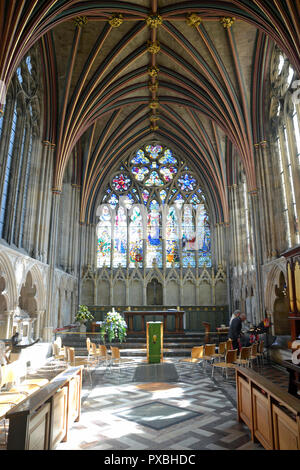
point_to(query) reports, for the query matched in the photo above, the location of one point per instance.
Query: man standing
(235, 330)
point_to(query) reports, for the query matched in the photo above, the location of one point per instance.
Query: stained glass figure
(104, 238)
(188, 238)
(135, 239)
(172, 241)
(121, 182)
(203, 237)
(120, 238)
(145, 196)
(163, 195)
(154, 243)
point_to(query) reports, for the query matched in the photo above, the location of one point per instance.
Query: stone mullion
(263, 204)
(128, 240)
(21, 183)
(233, 228)
(45, 213)
(37, 200)
(295, 178)
(287, 186)
(255, 215)
(50, 314)
(13, 180)
(70, 240)
(30, 220)
(235, 218)
(4, 141)
(76, 233)
(266, 158)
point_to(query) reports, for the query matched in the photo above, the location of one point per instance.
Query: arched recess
(10, 291)
(28, 296)
(273, 280)
(154, 292)
(281, 308)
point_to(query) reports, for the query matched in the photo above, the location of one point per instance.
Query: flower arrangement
(83, 314)
(115, 326)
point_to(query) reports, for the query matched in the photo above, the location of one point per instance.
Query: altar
(179, 320)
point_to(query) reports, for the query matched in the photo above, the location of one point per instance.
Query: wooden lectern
(154, 342)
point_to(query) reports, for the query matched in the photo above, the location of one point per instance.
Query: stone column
(255, 216)
(8, 323)
(49, 323)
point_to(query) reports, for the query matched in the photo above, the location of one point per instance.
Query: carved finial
(154, 20)
(154, 118)
(154, 127)
(153, 87)
(193, 20)
(227, 22)
(154, 104)
(80, 21)
(116, 20)
(153, 71)
(153, 47)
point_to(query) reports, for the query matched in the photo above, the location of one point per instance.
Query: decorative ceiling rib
(190, 73)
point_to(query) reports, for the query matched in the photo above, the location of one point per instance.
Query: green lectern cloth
(154, 342)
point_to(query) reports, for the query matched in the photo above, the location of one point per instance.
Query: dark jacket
(235, 328)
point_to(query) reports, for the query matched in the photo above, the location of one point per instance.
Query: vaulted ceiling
(117, 74)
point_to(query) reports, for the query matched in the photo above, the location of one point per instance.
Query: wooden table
(129, 315)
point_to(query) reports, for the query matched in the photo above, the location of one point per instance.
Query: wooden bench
(272, 414)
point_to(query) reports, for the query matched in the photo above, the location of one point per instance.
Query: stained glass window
(104, 238)
(150, 188)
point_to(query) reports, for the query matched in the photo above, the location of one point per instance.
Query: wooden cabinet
(59, 417)
(42, 420)
(262, 426)
(39, 428)
(272, 415)
(286, 430)
(244, 401)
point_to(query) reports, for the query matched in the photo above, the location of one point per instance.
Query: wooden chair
(230, 359)
(253, 355)
(116, 358)
(260, 352)
(58, 353)
(196, 356)
(228, 344)
(244, 359)
(221, 350)
(209, 354)
(86, 362)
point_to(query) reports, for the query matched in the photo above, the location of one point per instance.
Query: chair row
(208, 353)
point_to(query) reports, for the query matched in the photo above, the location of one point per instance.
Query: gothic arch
(7, 272)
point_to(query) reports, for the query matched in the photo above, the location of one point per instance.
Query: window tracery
(153, 211)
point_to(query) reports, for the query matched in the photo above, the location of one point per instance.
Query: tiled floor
(195, 413)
